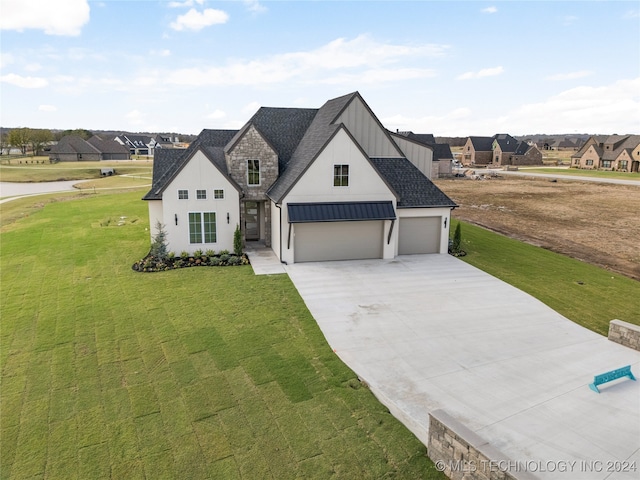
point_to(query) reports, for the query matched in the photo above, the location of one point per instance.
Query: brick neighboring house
(609, 152)
(73, 148)
(500, 150)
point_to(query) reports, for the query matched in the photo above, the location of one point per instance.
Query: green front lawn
(588, 295)
(194, 373)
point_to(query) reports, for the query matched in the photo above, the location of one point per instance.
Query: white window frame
(199, 192)
(249, 173)
(218, 194)
(202, 231)
(186, 193)
(341, 175)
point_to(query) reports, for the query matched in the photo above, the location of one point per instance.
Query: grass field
(190, 374)
(588, 295)
(43, 171)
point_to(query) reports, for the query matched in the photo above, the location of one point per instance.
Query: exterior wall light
(175, 215)
(227, 217)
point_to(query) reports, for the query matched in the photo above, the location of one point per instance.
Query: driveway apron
(429, 332)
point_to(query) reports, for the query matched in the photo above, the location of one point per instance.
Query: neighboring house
(442, 157)
(137, 144)
(477, 151)
(73, 148)
(109, 149)
(312, 184)
(500, 150)
(509, 151)
(163, 141)
(609, 152)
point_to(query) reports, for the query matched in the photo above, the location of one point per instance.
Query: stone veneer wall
(463, 455)
(625, 334)
(252, 146)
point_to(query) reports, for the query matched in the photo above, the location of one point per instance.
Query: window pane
(183, 194)
(201, 194)
(209, 227)
(218, 194)
(195, 228)
(341, 175)
(253, 172)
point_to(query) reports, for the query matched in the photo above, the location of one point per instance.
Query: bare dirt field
(593, 222)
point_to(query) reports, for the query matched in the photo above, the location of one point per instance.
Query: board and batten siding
(367, 131)
(199, 174)
(420, 155)
(316, 185)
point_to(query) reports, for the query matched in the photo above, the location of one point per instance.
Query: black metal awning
(340, 211)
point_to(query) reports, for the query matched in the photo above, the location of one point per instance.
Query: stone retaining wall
(463, 455)
(625, 334)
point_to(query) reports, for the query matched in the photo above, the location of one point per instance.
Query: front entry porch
(256, 222)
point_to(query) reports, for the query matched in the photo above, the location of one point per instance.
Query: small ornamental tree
(159, 244)
(237, 241)
(457, 239)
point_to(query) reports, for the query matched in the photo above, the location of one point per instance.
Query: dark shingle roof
(315, 138)
(108, 146)
(412, 187)
(283, 128)
(482, 144)
(70, 144)
(507, 142)
(441, 151)
(168, 162)
(165, 161)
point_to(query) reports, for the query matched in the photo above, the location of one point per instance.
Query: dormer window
(253, 172)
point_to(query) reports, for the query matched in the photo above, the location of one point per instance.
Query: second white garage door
(419, 235)
(315, 242)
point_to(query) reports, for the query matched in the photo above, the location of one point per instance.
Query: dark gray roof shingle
(168, 162)
(411, 186)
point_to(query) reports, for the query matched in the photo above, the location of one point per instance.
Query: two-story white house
(312, 184)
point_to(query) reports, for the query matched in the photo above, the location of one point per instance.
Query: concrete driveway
(430, 332)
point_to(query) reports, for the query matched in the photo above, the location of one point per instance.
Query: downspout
(280, 236)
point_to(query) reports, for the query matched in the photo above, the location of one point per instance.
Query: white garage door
(315, 242)
(419, 235)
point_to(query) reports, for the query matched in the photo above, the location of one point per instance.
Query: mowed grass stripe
(198, 373)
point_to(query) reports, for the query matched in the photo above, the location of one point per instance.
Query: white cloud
(607, 109)
(379, 76)
(489, 10)
(47, 108)
(55, 17)
(485, 72)
(569, 20)
(24, 82)
(255, 6)
(345, 57)
(216, 115)
(570, 75)
(632, 14)
(194, 20)
(186, 3)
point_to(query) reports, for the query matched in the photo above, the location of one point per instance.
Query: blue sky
(448, 67)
